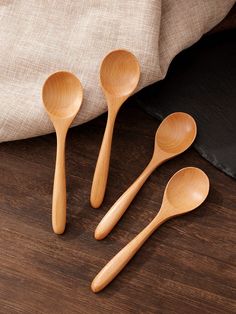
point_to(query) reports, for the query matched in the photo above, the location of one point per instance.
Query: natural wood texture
(119, 76)
(186, 190)
(187, 266)
(62, 96)
(175, 134)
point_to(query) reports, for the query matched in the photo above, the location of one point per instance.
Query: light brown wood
(119, 76)
(174, 135)
(185, 191)
(62, 95)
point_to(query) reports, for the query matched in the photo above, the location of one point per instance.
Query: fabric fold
(40, 37)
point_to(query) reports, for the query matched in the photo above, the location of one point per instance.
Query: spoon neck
(114, 102)
(166, 212)
(61, 138)
(61, 125)
(155, 161)
(152, 165)
(150, 228)
(159, 156)
(107, 137)
(111, 116)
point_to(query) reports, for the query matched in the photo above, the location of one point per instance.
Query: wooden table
(187, 266)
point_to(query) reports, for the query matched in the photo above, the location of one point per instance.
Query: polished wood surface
(119, 76)
(186, 190)
(62, 96)
(175, 134)
(187, 266)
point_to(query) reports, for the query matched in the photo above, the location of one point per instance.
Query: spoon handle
(114, 214)
(119, 261)
(59, 187)
(102, 167)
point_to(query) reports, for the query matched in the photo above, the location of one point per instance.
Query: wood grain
(185, 191)
(62, 95)
(119, 76)
(187, 266)
(174, 135)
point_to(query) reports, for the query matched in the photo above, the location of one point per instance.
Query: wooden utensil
(185, 191)
(119, 76)
(174, 135)
(62, 95)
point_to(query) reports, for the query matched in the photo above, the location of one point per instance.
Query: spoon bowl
(62, 96)
(119, 73)
(119, 76)
(176, 133)
(186, 190)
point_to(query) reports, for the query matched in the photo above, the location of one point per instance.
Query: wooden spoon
(174, 135)
(185, 191)
(119, 76)
(62, 97)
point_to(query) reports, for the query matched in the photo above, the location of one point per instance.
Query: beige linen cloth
(40, 37)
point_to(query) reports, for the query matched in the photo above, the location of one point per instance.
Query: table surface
(187, 266)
